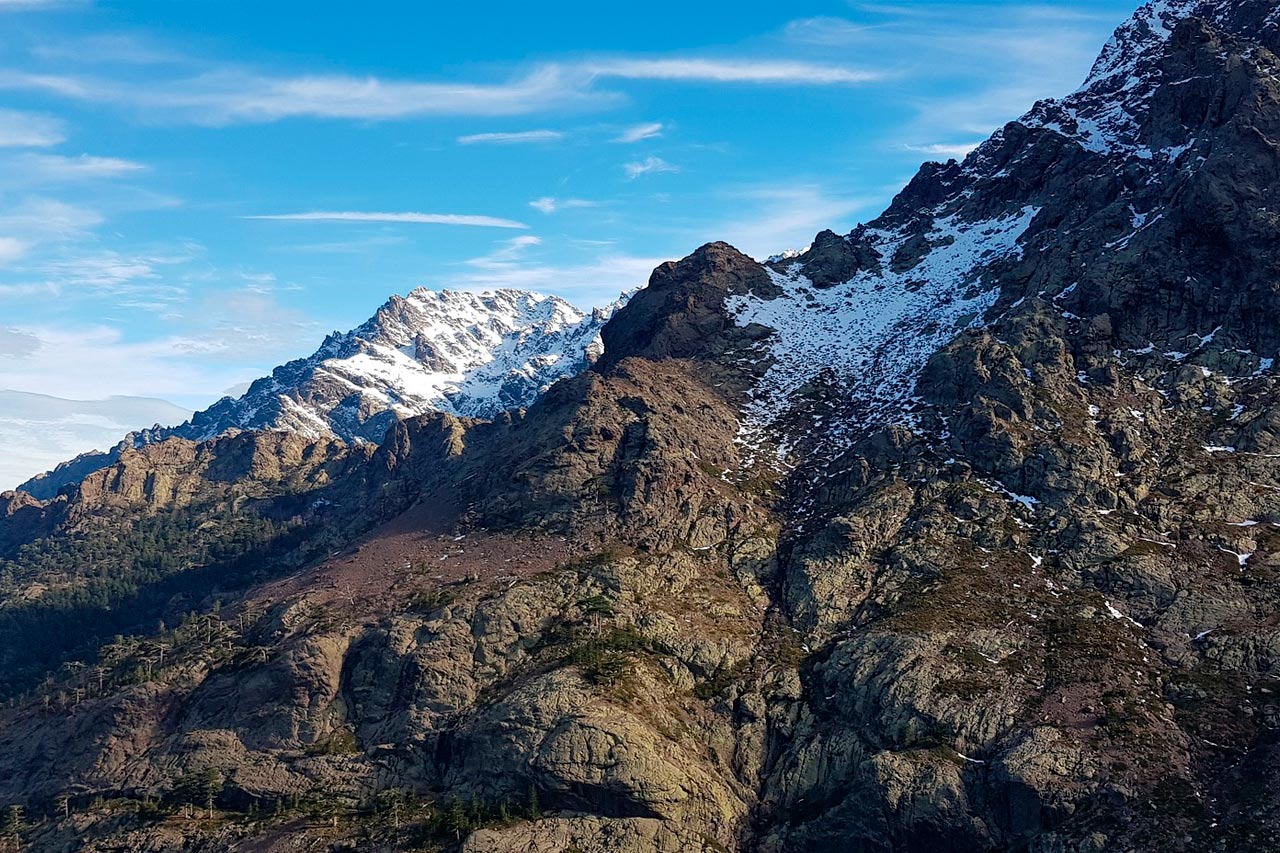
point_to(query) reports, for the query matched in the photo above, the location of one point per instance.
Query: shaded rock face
(681, 313)
(997, 573)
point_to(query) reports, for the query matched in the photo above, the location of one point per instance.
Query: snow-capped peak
(1105, 115)
(469, 354)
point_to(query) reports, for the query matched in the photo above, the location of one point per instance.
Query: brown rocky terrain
(1030, 606)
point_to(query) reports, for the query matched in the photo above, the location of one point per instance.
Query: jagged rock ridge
(1010, 585)
(1170, 142)
(469, 354)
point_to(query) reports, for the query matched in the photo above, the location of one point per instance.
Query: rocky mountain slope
(471, 354)
(958, 532)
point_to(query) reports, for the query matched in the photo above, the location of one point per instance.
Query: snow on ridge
(472, 354)
(874, 333)
(1148, 29)
(1105, 114)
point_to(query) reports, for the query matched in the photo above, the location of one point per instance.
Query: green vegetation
(341, 742)
(125, 574)
(604, 658)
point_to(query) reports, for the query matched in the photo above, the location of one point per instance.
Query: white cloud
(223, 93)
(508, 251)
(782, 72)
(28, 130)
(512, 138)
(228, 95)
(548, 204)
(786, 217)
(594, 282)
(34, 169)
(407, 217)
(38, 220)
(15, 343)
(997, 60)
(827, 31)
(639, 132)
(18, 5)
(646, 166)
(957, 151)
(104, 269)
(11, 249)
(38, 431)
(117, 48)
(221, 337)
(79, 362)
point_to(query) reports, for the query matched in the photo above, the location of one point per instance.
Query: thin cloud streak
(225, 95)
(639, 132)
(230, 96)
(550, 205)
(957, 150)
(734, 71)
(56, 168)
(411, 218)
(513, 138)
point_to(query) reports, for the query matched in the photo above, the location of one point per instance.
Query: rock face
(958, 532)
(469, 354)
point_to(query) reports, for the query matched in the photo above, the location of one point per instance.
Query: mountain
(955, 532)
(470, 354)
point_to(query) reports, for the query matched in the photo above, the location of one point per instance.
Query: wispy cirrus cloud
(511, 138)
(223, 94)
(20, 129)
(595, 280)
(43, 220)
(774, 72)
(408, 217)
(230, 95)
(31, 169)
(19, 5)
(647, 166)
(107, 269)
(549, 204)
(234, 337)
(827, 31)
(786, 216)
(1010, 55)
(956, 150)
(116, 48)
(639, 132)
(509, 250)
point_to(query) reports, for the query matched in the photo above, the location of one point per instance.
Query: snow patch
(873, 334)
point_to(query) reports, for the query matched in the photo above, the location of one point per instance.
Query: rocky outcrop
(681, 313)
(997, 573)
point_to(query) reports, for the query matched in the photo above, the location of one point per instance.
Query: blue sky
(192, 192)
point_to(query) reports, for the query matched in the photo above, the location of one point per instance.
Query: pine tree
(14, 820)
(535, 810)
(455, 818)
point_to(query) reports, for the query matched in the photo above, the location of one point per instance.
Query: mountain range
(470, 354)
(959, 531)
